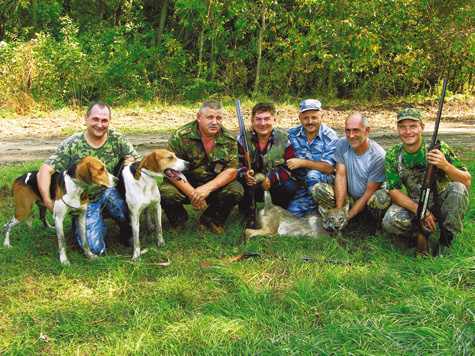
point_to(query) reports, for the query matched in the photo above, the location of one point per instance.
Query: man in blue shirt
(314, 144)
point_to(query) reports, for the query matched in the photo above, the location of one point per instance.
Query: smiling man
(211, 187)
(405, 167)
(314, 145)
(360, 174)
(270, 149)
(109, 146)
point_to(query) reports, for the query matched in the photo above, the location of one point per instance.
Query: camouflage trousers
(220, 203)
(377, 204)
(453, 203)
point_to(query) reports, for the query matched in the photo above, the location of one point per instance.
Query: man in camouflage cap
(406, 165)
(107, 145)
(211, 187)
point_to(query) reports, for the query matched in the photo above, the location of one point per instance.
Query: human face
(356, 135)
(97, 122)
(210, 122)
(263, 123)
(410, 133)
(311, 121)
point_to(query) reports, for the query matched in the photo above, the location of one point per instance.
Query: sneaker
(210, 225)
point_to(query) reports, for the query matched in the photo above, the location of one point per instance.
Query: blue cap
(310, 104)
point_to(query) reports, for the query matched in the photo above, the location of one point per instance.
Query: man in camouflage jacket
(405, 166)
(110, 147)
(211, 187)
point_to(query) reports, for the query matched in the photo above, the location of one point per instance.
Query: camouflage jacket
(74, 148)
(408, 169)
(187, 144)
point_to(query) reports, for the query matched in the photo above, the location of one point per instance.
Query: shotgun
(252, 221)
(430, 185)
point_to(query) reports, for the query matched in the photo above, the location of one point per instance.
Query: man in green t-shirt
(110, 147)
(406, 165)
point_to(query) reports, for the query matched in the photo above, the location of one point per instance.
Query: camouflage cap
(409, 114)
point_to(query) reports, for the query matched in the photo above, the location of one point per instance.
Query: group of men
(304, 167)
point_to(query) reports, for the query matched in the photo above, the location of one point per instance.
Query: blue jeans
(110, 205)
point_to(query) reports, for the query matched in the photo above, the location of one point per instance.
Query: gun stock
(252, 218)
(422, 246)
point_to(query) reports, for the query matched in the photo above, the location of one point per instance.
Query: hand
(249, 177)
(266, 184)
(49, 205)
(294, 163)
(437, 158)
(128, 160)
(429, 221)
(198, 198)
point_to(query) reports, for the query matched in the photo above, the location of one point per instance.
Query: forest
(67, 52)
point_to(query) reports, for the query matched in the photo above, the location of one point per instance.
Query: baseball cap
(409, 114)
(310, 104)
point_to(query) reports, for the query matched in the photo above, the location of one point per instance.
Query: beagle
(69, 193)
(138, 185)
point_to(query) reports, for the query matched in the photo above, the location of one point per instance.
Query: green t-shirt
(414, 166)
(74, 148)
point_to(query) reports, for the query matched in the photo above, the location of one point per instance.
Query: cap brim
(408, 118)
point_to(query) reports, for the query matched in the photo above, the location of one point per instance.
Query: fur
(69, 193)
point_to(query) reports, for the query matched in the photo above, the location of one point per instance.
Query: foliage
(331, 48)
(386, 302)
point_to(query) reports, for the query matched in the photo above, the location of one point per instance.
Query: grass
(386, 302)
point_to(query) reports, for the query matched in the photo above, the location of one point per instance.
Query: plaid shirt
(276, 178)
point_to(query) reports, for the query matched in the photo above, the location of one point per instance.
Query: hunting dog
(69, 193)
(274, 220)
(138, 186)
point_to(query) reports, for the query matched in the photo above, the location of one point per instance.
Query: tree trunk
(202, 40)
(163, 19)
(259, 46)
(34, 14)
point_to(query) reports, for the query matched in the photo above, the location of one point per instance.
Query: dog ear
(150, 162)
(322, 210)
(84, 172)
(347, 206)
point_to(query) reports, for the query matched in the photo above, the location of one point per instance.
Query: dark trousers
(281, 195)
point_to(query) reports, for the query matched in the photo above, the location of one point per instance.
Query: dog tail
(267, 199)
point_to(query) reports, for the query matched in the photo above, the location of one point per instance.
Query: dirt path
(21, 149)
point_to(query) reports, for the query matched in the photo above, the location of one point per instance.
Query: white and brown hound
(141, 191)
(69, 193)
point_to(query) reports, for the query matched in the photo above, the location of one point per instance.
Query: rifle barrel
(242, 128)
(439, 114)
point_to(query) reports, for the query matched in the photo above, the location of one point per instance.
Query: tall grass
(387, 302)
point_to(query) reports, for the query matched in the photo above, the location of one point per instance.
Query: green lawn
(387, 302)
